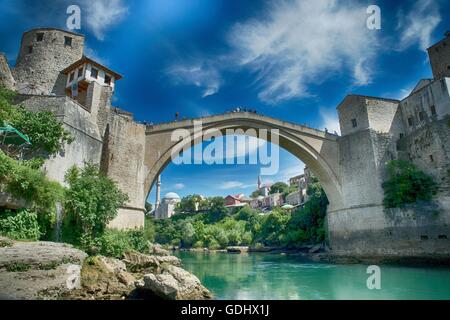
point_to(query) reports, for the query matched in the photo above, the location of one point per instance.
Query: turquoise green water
(275, 276)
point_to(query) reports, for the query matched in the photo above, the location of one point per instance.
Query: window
(71, 76)
(354, 123)
(68, 41)
(410, 121)
(431, 158)
(30, 49)
(448, 67)
(39, 37)
(80, 72)
(433, 110)
(94, 73)
(107, 79)
(421, 115)
(401, 135)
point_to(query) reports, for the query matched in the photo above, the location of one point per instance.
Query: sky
(289, 59)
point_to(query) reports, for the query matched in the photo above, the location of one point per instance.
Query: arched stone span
(317, 149)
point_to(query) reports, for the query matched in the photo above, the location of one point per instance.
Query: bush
(24, 182)
(406, 184)
(114, 243)
(214, 245)
(46, 133)
(20, 225)
(91, 202)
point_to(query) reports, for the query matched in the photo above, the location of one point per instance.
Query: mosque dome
(171, 196)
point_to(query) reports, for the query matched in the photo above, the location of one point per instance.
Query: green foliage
(255, 194)
(91, 202)
(191, 202)
(44, 130)
(20, 225)
(307, 223)
(114, 243)
(24, 182)
(406, 184)
(18, 267)
(149, 229)
(217, 209)
(218, 229)
(273, 227)
(279, 187)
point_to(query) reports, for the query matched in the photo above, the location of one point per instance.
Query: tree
(190, 203)
(406, 184)
(256, 193)
(46, 133)
(217, 210)
(91, 202)
(279, 187)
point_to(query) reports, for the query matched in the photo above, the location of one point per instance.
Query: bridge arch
(317, 149)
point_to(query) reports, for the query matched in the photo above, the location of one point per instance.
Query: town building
(238, 200)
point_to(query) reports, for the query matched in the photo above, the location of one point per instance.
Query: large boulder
(104, 278)
(138, 262)
(174, 283)
(38, 270)
(157, 250)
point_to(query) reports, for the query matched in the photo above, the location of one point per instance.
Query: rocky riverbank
(47, 270)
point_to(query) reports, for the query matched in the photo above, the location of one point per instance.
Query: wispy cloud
(228, 185)
(298, 43)
(101, 15)
(330, 120)
(179, 186)
(203, 75)
(417, 25)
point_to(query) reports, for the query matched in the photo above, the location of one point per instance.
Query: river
(275, 276)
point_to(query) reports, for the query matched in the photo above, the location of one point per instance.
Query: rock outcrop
(38, 270)
(48, 270)
(174, 283)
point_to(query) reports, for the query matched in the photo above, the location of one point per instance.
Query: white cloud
(417, 25)
(179, 186)
(330, 120)
(100, 15)
(201, 74)
(93, 54)
(227, 185)
(304, 42)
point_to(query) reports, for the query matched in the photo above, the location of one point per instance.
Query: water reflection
(270, 276)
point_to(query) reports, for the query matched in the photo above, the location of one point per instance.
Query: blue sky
(293, 60)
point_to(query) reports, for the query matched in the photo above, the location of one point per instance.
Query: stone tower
(43, 54)
(158, 193)
(439, 55)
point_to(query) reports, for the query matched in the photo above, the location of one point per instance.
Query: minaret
(158, 192)
(259, 182)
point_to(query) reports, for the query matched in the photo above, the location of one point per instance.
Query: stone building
(166, 209)
(48, 59)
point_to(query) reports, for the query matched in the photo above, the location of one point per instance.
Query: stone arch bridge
(347, 167)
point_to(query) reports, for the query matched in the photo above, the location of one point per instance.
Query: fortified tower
(43, 54)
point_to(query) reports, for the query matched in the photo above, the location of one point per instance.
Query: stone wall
(123, 161)
(419, 230)
(87, 146)
(40, 62)
(440, 58)
(6, 78)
